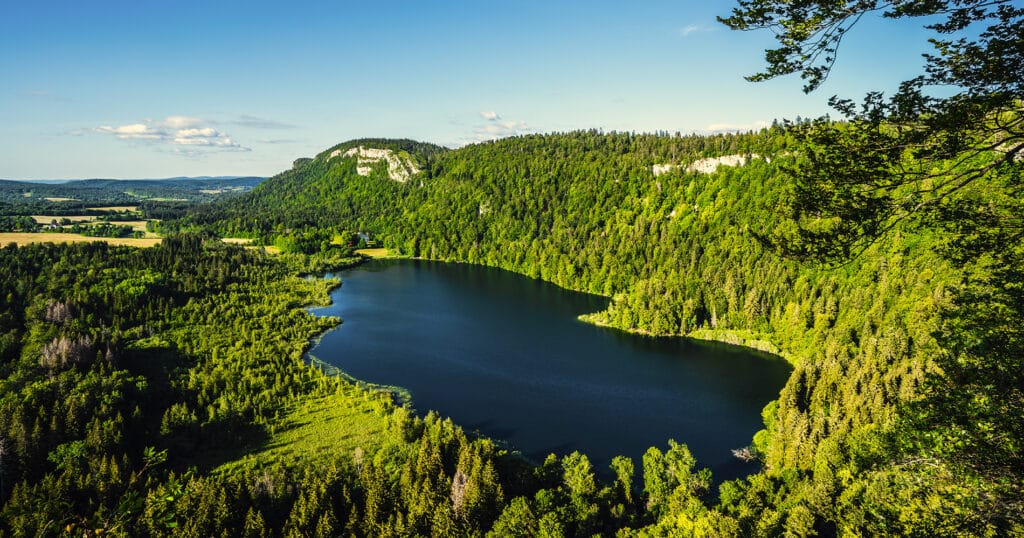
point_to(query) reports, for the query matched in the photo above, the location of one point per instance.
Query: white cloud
(181, 122)
(174, 131)
(214, 139)
(500, 129)
(133, 131)
(690, 29)
(193, 133)
(495, 127)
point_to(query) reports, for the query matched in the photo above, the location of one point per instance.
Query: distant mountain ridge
(174, 178)
(198, 189)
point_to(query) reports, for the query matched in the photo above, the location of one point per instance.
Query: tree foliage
(675, 254)
(957, 124)
(943, 152)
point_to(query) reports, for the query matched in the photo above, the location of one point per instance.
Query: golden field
(27, 238)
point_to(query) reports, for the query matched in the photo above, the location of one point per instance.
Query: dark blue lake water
(505, 355)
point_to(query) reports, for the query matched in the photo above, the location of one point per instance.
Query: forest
(849, 446)
(133, 389)
(210, 356)
(198, 344)
(163, 391)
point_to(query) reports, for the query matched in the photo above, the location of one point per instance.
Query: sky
(148, 89)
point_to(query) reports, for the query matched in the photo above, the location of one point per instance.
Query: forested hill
(325, 192)
(663, 225)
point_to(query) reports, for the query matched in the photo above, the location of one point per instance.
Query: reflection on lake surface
(505, 355)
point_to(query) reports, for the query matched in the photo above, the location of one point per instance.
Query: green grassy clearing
(374, 252)
(318, 429)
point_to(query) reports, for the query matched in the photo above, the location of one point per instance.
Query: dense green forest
(678, 254)
(163, 391)
(146, 394)
(139, 385)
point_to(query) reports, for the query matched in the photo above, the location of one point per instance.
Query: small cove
(504, 355)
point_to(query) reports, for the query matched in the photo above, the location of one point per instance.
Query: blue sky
(123, 89)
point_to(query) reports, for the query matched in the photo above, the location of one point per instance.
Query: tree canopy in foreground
(944, 152)
(913, 153)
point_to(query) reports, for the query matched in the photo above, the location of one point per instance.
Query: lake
(504, 355)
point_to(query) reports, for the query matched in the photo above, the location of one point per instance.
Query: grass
(21, 239)
(46, 219)
(116, 208)
(317, 430)
(137, 225)
(247, 243)
(59, 199)
(373, 252)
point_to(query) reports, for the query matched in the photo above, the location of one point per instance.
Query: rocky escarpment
(707, 166)
(399, 167)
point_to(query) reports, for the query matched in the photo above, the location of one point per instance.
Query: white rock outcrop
(399, 168)
(660, 169)
(709, 165)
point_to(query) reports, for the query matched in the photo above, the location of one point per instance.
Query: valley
(512, 270)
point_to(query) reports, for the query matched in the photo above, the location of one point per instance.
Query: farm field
(138, 225)
(46, 219)
(117, 208)
(21, 238)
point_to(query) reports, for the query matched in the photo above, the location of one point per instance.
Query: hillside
(323, 192)
(649, 222)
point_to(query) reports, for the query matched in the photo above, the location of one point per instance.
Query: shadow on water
(505, 355)
(492, 428)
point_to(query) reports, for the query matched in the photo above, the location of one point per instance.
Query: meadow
(23, 238)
